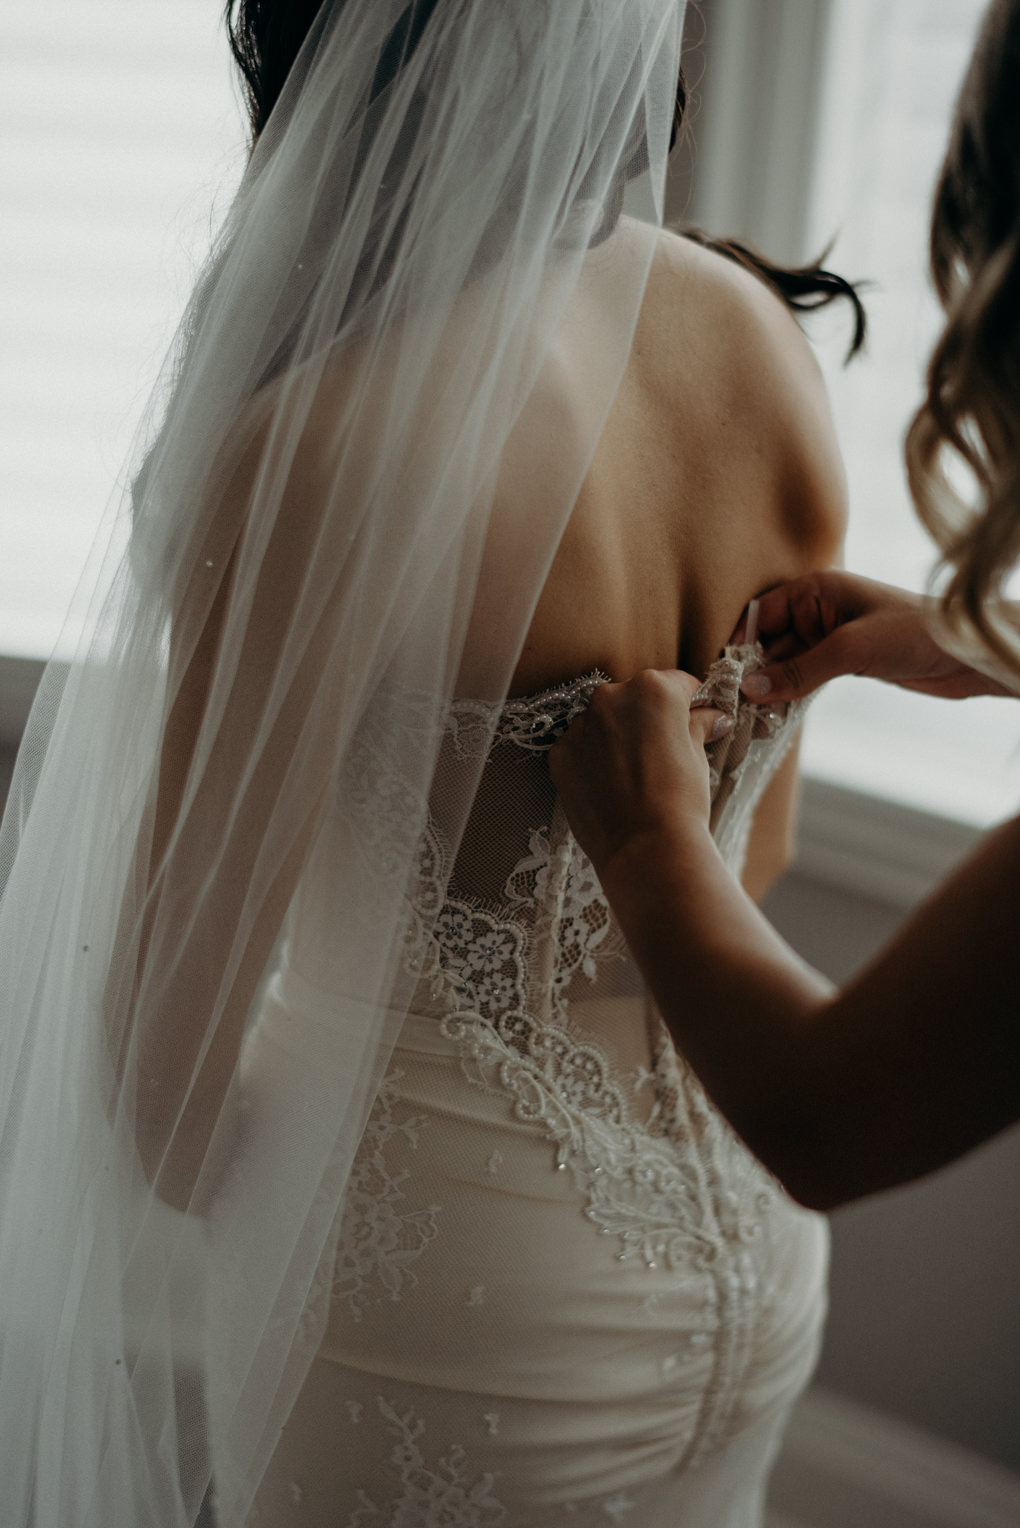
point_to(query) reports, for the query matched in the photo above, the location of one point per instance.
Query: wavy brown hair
(971, 412)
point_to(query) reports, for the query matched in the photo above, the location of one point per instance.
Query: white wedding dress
(564, 1292)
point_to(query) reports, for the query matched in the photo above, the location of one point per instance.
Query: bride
(347, 1174)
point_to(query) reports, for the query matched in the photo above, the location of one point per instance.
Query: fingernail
(720, 727)
(757, 686)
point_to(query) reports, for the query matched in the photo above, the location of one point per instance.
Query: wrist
(653, 856)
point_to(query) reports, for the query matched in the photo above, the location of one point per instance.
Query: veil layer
(349, 496)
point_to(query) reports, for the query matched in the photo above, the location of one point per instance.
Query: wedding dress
(345, 1169)
(563, 1292)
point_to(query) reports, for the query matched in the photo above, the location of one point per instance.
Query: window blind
(892, 72)
(120, 132)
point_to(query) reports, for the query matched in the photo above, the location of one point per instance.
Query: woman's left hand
(633, 768)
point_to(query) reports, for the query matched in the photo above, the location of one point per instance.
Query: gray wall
(925, 1304)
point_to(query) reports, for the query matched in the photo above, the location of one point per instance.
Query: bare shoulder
(726, 321)
(725, 350)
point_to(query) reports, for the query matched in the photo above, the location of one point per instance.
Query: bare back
(717, 475)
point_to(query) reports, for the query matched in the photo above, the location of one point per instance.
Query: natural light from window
(894, 67)
(120, 131)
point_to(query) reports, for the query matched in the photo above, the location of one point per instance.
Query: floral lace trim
(482, 959)
(533, 722)
(379, 1242)
(557, 882)
(479, 960)
(444, 1497)
(449, 1496)
(670, 1200)
(637, 1188)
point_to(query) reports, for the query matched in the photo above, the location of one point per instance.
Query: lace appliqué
(533, 722)
(643, 1182)
(555, 912)
(637, 1187)
(446, 1497)
(558, 884)
(756, 731)
(553, 927)
(752, 723)
(480, 959)
(379, 1240)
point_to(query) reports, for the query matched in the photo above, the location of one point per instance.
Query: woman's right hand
(632, 767)
(823, 625)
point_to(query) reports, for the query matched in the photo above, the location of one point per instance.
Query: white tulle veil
(339, 520)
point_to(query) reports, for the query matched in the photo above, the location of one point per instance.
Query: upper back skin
(716, 476)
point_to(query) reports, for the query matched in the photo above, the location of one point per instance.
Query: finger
(679, 683)
(603, 701)
(778, 649)
(801, 675)
(709, 724)
(568, 739)
(810, 607)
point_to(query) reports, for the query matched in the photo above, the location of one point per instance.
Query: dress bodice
(523, 926)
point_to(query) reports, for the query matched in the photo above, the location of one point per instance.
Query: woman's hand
(632, 768)
(815, 628)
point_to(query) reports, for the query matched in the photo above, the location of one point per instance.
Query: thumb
(708, 724)
(799, 676)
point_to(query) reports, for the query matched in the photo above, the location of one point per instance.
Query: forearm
(196, 1061)
(840, 1095)
(737, 1000)
(927, 1037)
(222, 869)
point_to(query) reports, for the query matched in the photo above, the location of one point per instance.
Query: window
(119, 132)
(825, 117)
(892, 70)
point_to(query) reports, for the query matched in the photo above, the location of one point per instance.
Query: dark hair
(972, 404)
(804, 288)
(266, 37)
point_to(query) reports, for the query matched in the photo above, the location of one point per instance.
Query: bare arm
(915, 1062)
